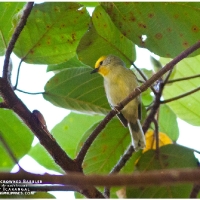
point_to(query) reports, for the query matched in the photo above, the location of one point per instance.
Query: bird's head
(105, 64)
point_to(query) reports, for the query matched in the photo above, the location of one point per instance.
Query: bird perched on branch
(119, 82)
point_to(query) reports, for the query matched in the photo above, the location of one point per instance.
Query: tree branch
(31, 121)
(195, 191)
(148, 178)
(14, 38)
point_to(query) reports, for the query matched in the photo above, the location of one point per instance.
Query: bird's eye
(101, 63)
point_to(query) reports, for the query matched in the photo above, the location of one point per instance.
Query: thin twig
(180, 96)
(156, 132)
(120, 164)
(183, 79)
(144, 77)
(154, 108)
(107, 192)
(15, 36)
(167, 77)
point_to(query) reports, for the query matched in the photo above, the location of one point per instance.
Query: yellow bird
(119, 82)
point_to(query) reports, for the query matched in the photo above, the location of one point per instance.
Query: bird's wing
(139, 111)
(122, 119)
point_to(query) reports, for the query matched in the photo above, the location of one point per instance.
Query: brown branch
(57, 153)
(156, 132)
(195, 191)
(31, 121)
(139, 90)
(154, 108)
(14, 38)
(180, 96)
(148, 178)
(121, 163)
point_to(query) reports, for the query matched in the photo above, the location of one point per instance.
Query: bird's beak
(94, 71)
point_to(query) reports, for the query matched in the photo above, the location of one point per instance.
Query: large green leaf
(8, 10)
(70, 130)
(52, 32)
(157, 26)
(17, 136)
(104, 38)
(73, 62)
(186, 108)
(168, 122)
(170, 156)
(107, 148)
(77, 89)
(68, 134)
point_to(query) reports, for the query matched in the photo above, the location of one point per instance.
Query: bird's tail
(137, 135)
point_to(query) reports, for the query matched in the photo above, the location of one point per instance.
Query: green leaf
(41, 155)
(68, 134)
(104, 38)
(164, 24)
(106, 149)
(177, 191)
(168, 122)
(17, 135)
(8, 10)
(76, 89)
(147, 98)
(156, 64)
(73, 62)
(186, 108)
(52, 33)
(70, 130)
(90, 4)
(170, 156)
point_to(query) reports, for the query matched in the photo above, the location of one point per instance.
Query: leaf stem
(32, 93)
(18, 70)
